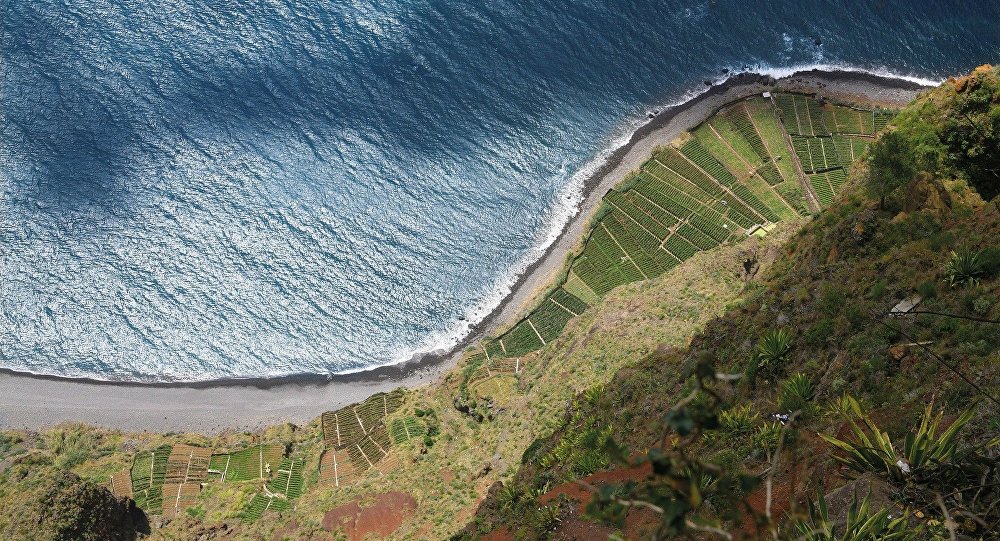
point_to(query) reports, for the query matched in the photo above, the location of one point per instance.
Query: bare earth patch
(383, 517)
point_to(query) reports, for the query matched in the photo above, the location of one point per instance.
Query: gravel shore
(28, 401)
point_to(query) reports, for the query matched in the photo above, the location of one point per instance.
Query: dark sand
(30, 401)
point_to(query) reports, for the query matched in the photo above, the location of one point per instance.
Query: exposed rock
(927, 193)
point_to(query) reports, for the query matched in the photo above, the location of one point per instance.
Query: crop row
(406, 428)
(549, 319)
(287, 479)
(841, 119)
(769, 172)
(820, 184)
(698, 154)
(740, 119)
(882, 118)
(676, 162)
(247, 464)
(262, 502)
(849, 148)
(149, 470)
(816, 153)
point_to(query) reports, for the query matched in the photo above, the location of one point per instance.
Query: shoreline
(33, 400)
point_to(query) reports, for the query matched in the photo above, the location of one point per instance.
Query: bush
(772, 350)
(738, 421)
(964, 267)
(863, 524)
(923, 449)
(795, 393)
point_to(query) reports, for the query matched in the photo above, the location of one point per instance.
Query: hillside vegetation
(601, 389)
(864, 369)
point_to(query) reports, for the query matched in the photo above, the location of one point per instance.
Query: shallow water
(196, 190)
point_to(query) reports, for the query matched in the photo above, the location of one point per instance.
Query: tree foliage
(891, 165)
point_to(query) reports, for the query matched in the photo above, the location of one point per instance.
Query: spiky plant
(923, 449)
(738, 420)
(795, 393)
(773, 349)
(767, 436)
(964, 267)
(863, 524)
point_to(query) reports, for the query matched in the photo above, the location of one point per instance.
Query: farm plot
(179, 496)
(252, 463)
(187, 464)
(550, 318)
(772, 134)
(821, 185)
(121, 483)
(700, 156)
(816, 154)
(724, 151)
(881, 118)
(739, 116)
(840, 119)
(677, 163)
(801, 115)
(402, 430)
(149, 469)
(336, 468)
(351, 424)
(260, 503)
(735, 171)
(850, 148)
(287, 480)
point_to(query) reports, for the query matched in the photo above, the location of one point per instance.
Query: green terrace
(754, 163)
(168, 479)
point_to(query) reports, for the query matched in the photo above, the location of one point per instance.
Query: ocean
(195, 190)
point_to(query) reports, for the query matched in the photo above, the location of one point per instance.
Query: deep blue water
(204, 189)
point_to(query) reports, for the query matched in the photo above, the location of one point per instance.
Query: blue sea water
(202, 189)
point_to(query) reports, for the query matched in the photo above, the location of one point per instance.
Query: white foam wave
(567, 205)
(786, 71)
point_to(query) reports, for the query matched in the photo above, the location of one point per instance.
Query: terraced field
(358, 439)
(148, 473)
(167, 480)
(248, 464)
(827, 138)
(758, 161)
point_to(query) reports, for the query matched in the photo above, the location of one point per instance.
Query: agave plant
(795, 393)
(923, 449)
(964, 267)
(863, 524)
(767, 436)
(738, 420)
(773, 348)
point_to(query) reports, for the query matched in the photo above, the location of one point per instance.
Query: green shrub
(773, 349)
(738, 421)
(767, 436)
(863, 524)
(795, 393)
(922, 450)
(964, 267)
(877, 291)
(927, 290)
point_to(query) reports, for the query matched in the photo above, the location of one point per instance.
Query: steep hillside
(586, 377)
(883, 309)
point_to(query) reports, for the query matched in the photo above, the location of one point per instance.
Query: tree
(971, 132)
(890, 165)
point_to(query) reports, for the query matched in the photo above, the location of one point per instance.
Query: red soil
(383, 517)
(502, 534)
(581, 494)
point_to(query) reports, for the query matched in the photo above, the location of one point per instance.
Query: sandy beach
(28, 401)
